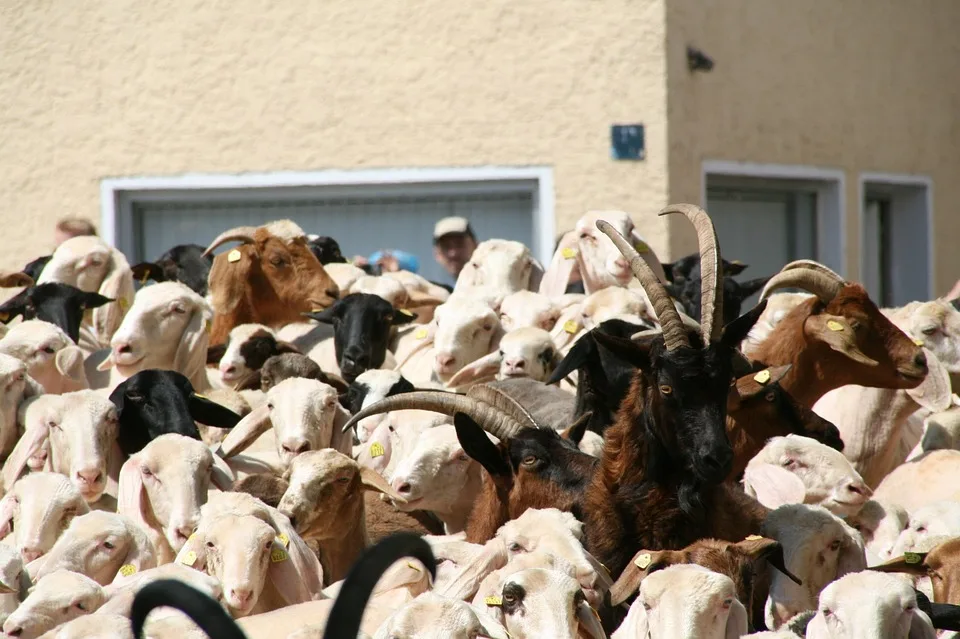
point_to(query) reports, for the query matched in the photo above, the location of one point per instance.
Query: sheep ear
(934, 393)
(69, 362)
(555, 280)
(483, 369)
(921, 627)
(117, 285)
(464, 584)
(29, 444)
(575, 431)
(772, 485)
(294, 570)
(372, 480)
(193, 554)
(642, 564)
(221, 475)
(771, 550)
(140, 554)
(340, 441)
(256, 423)
(211, 413)
(191, 355)
(835, 332)
(736, 621)
(7, 509)
(648, 255)
(852, 554)
(536, 275)
(131, 494)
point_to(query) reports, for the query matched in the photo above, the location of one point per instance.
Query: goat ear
(13, 307)
(325, 316)
(584, 349)
(15, 279)
(227, 281)
(915, 566)
(575, 431)
(402, 316)
(69, 362)
(769, 549)
(475, 443)
(117, 285)
(221, 474)
(483, 369)
(555, 280)
(7, 509)
(737, 330)
(254, 424)
(736, 621)
(736, 267)
(637, 354)
(215, 353)
(191, 356)
(773, 486)
(934, 393)
(835, 332)
(750, 287)
(211, 413)
(751, 385)
(148, 271)
(642, 564)
(372, 480)
(95, 300)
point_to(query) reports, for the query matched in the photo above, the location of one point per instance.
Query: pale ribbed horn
(239, 234)
(817, 282)
(711, 270)
(813, 265)
(495, 422)
(504, 403)
(673, 332)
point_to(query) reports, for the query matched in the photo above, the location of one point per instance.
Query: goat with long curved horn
(674, 333)
(239, 234)
(822, 284)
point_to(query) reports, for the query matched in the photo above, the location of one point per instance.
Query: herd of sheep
(257, 439)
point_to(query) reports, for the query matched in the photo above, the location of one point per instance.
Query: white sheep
(166, 328)
(937, 472)
(233, 366)
(40, 507)
(628, 304)
(528, 309)
(503, 265)
(938, 519)
(99, 626)
(162, 487)
(51, 357)
(57, 598)
(431, 616)
(802, 470)
(685, 601)
(523, 352)
(869, 605)
(818, 547)
(880, 525)
(15, 386)
(11, 581)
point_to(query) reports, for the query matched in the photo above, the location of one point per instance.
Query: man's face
(453, 251)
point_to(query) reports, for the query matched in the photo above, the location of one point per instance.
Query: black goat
(34, 268)
(659, 484)
(156, 402)
(326, 250)
(688, 267)
(184, 263)
(345, 616)
(362, 324)
(59, 304)
(734, 293)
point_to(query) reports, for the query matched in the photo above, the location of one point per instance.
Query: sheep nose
(184, 532)
(296, 446)
(859, 488)
(516, 364)
(123, 347)
(29, 553)
(401, 486)
(445, 361)
(90, 476)
(14, 632)
(241, 595)
(228, 370)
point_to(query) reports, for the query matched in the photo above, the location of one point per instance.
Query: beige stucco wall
(107, 88)
(859, 85)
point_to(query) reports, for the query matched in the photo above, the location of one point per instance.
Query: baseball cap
(450, 225)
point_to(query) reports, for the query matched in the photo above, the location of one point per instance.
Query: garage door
(361, 223)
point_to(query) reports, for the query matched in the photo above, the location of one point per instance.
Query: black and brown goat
(660, 481)
(836, 338)
(185, 263)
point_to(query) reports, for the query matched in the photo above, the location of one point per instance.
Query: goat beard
(690, 500)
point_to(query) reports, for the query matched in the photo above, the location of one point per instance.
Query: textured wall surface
(859, 85)
(108, 88)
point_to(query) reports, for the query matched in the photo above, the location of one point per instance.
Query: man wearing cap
(453, 244)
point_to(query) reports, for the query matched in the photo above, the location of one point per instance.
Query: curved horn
(495, 422)
(239, 234)
(504, 403)
(817, 282)
(673, 331)
(814, 266)
(711, 270)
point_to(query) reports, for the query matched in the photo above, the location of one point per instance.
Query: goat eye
(665, 389)
(529, 460)
(342, 480)
(770, 397)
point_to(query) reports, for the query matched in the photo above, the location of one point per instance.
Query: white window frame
(117, 195)
(829, 184)
(898, 179)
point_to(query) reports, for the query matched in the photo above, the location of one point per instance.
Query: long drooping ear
(737, 330)
(751, 287)
(637, 354)
(15, 306)
(8, 508)
(326, 316)
(215, 353)
(211, 413)
(372, 480)
(191, 356)
(921, 627)
(227, 281)
(736, 621)
(140, 553)
(339, 440)
(256, 423)
(132, 497)
(27, 446)
(477, 445)
(835, 332)
(557, 276)
(193, 553)
(69, 362)
(481, 370)
(769, 549)
(423, 335)
(590, 622)
(221, 474)
(117, 285)
(852, 556)
(402, 316)
(465, 582)
(934, 393)
(642, 564)
(294, 568)
(773, 486)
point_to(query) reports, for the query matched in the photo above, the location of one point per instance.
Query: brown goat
(271, 279)
(744, 562)
(836, 338)
(941, 564)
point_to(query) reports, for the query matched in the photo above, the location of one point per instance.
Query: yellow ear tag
(493, 601)
(834, 326)
(124, 304)
(568, 253)
(200, 396)
(278, 555)
(127, 569)
(763, 376)
(643, 560)
(641, 247)
(753, 538)
(207, 326)
(284, 540)
(376, 449)
(233, 256)
(146, 276)
(421, 333)
(571, 327)
(918, 342)
(413, 566)
(406, 312)
(189, 559)
(912, 557)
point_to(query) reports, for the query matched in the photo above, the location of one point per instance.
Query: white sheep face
(13, 384)
(528, 309)
(527, 352)
(50, 356)
(465, 331)
(869, 605)
(431, 616)
(302, 412)
(57, 598)
(435, 473)
(238, 553)
(499, 264)
(232, 365)
(82, 434)
(43, 505)
(939, 519)
(82, 262)
(542, 603)
(936, 323)
(880, 526)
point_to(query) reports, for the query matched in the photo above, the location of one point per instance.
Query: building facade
(825, 129)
